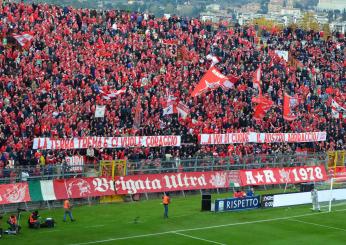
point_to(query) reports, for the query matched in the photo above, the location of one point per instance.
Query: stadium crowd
(50, 87)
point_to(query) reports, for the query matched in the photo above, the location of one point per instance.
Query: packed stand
(51, 87)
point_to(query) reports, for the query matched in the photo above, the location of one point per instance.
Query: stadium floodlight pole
(331, 194)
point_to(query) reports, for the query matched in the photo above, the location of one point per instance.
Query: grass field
(114, 224)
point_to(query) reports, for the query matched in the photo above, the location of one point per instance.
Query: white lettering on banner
(252, 137)
(283, 175)
(107, 142)
(164, 182)
(103, 184)
(218, 74)
(249, 178)
(269, 176)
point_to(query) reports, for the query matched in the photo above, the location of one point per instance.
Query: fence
(153, 166)
(200, 164)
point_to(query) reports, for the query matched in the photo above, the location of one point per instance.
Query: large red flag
(290, 103)
(263, 105)
(211, 80)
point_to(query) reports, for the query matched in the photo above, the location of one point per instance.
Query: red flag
(257, 80)
(289, 104)
(211, 80)
(138, 110)
(263, 105)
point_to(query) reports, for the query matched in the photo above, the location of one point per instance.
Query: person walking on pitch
(67, 208)
(165, 201)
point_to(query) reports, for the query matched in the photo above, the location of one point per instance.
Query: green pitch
(142, 223)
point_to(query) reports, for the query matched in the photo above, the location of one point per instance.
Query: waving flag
(337, 110)
(24, 39)
(257, 80)
(214, 59)
(211, 80)
(290, 103)
(183, 110)
(138, 111)
(107, 95)
(169, 106)
(263, 105)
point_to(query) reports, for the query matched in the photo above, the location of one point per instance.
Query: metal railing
(152, 166)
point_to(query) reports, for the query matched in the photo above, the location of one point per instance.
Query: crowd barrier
(89, 187)
(156, 166)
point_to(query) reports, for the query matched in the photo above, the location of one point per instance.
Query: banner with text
(75, 163)
(252, 137)
(107, 142)
(234, 204)
(175, 181)
(14, 193)
(90, 187)
(83, 187)
(291, 175)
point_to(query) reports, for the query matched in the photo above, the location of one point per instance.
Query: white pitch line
(198, 238)
(202, 228)
(94, 226)
(49, 231)
(315, 224)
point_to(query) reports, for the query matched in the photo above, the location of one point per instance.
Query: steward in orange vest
(165, 201)
(33, 221)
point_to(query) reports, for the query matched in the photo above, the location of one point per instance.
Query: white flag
(168, 110)
(282, 54)
(337, 110)
(107, 95)
(214, 59)
(23, 39)
(100, 110)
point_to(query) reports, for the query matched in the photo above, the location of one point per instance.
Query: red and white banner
(251, 137)
(75, 163)
(290, 102)
(83, 187)
(107, 142)
(14, 193)
(292, 175)
(211, 80)
(91, 187)
(175, 182)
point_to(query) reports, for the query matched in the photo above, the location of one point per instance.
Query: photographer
(33, 221)
(13, 223)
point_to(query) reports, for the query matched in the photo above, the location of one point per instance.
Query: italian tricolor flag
(42, 190)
